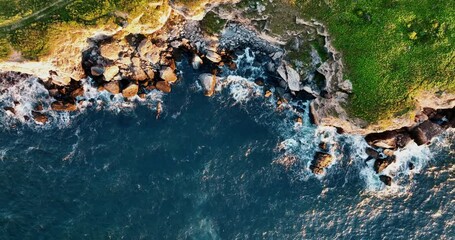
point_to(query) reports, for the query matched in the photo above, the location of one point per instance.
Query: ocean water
(208, 168)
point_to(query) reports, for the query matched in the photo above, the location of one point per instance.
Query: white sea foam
(25, 95)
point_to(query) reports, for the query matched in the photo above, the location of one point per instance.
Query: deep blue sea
(209, 168)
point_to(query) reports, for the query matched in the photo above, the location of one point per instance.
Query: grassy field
(392, 49)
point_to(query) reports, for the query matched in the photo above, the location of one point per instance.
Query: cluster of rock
(430, 123)
(322, 159)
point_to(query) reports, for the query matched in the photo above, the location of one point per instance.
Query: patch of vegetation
(31, 40)
(392, 49)
(5, 48)
(212, 24)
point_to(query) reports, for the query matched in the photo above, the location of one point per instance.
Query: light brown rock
(163, 86)
(110, 51)
(111, 72)
(130, 91)
(62, 106)
(112, 87)
(168, 75)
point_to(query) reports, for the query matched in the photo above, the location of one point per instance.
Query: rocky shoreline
(136, 64)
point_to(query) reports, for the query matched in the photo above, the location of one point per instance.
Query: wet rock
(383, 163)
(196, 62)
(372, 153)
(423, 133)
(208, 82)
(63, 106)
(97, 71)
(111, 72)
(291, 76)
(429, 112)
(259, 81)
(322, 145)
(130, 91)
(39, 117)
(389, 139)
(320, 162)
(112, 87)
(11, 110)
(77, 92)
(39, 107)
(213, 56)
(411, 166)
(168, 75)
(386, 180)
(163, 86)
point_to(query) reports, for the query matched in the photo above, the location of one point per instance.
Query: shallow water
(207, 169)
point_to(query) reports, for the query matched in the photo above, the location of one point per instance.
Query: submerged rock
(386, 180)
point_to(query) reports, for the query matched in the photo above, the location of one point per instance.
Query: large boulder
(111, 72)
(163, 86)
(208, 82)
(63, 106)
(130, 91)
(291, 76)
(168, 75)
(112, 87)
(320, 162)
(110, 50)
(423, 133)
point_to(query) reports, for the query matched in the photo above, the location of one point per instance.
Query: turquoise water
(207, 169)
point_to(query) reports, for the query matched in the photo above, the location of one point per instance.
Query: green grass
(392, 49)
(212, 24)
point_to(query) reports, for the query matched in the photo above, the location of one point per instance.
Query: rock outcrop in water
(432, 123)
